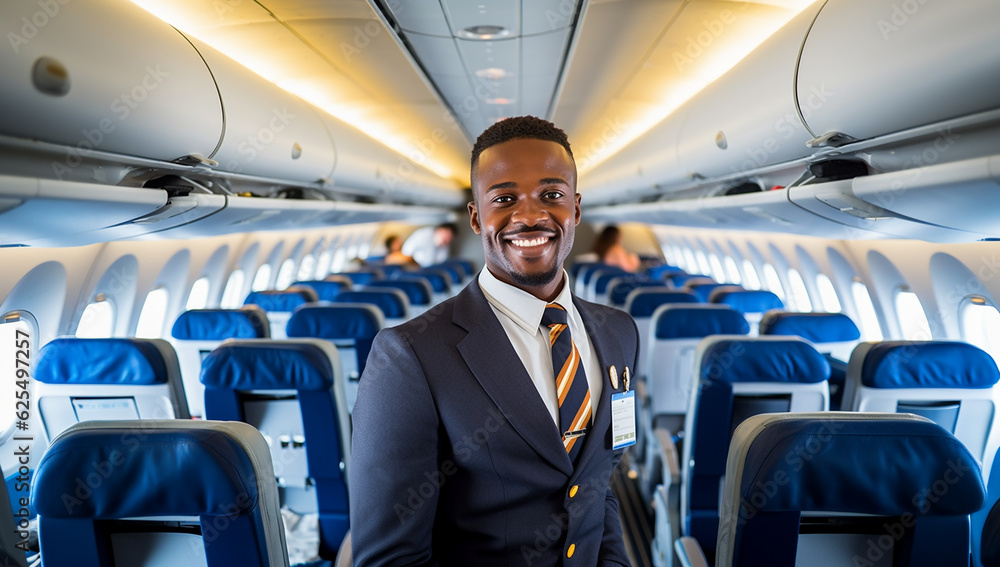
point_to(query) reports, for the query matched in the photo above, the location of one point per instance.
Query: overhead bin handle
(194, 159)
(831, 139)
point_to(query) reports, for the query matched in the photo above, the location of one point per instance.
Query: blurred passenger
(394, 251)
(609, 249)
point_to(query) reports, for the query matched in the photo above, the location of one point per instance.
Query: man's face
(526, 209)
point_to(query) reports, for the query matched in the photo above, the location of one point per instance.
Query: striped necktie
(571, 381)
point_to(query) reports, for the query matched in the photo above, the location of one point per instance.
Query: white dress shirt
(520, 314)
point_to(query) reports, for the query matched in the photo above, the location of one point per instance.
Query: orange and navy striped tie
(571, 381)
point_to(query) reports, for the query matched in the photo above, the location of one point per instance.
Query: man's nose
(529, 212)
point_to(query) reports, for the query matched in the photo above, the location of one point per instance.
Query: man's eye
(553, 194)
(503, 199)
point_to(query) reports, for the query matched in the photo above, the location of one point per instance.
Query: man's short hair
(514, 128)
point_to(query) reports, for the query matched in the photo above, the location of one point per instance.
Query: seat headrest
(440, 280)
(325, 290)
(267, 365)
(748, 300)
(680, 280)
(416, 290)
(334, 322)
(762, 359)
(703, 291)
(661, 271)
(455, 271)
(813, 327)
(619, 293)
(358, 278)
(647, 300)
(604, 277)
(928, 364)
(392, 305)
(696, 321)
(281, 301)
(219, 324)
(70, 360)
(465, 265)
(863, 463)
(128, 469)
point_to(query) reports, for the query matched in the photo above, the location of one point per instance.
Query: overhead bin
(105, 75)
(884, 66)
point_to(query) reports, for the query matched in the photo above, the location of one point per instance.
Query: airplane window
(97, 320)
(912, 319)
(364, 248)
(198, 296)
(17, 345)
(870, 328)
(153, 314)
(307, 267)
(732, 271)
(669, 255)
(750, 280)
(827, 294)
(981, 325)
(262, 279)
(773, 282)
(690, 264)
(703, 265)
(323, 264)
(717, 271)
(799, 293)
(232, 296)
(339, 260)
(286, 274)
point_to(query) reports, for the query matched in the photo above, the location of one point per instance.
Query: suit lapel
(499, 370)
(608, 352)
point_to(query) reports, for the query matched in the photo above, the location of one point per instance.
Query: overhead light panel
(483, 33)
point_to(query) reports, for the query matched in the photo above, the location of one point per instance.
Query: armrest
(671, 479)
(689, 553)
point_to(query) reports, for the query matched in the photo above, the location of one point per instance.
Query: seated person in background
(610, 251)
(394, 251)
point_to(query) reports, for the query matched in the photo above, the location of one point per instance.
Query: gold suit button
(572, 490)
(569, 552)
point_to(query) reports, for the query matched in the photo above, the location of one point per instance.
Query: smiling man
(483, 429)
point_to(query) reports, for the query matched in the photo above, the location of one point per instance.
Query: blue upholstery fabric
(281, 301)
(159, 461)
(813, 327)
(986, 523)
(390, 304)
(414, 289)
(644, 304)
(679, 280)
(392, 270)
(909, 469)
(221, 324)
(788, 361)
(749, 301)
(692, 322)
(234, 367)
(661, 271)
(440, 280)
(620, 292)
(325, 290)
(277, 367)
(605, 275)
(100, 361)
(360, 278)
(333, 322)
(928, 364)
(704, 290)
(455, 271)
(578, 267)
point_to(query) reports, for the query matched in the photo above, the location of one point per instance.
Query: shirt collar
(523, 308)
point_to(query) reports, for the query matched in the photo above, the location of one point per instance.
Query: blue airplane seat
(833, 334)
(598, 280)
(586, 274)
(440, 281)
(325, 290)
(392, 302)
(455, 271)
(417, 290)
(642, 302)
(661, 271)
(985, 523)
(948, 382)
(351, 327)
(158, 493)
(106, 379)
(359, 278)
(679, 280)
(467, 267)
(18, 545)
(279, 305)
(738, 377)
(704, 290)
(197, 331)
(844, 488)
(752, 303)
(392, 270)
(293, 393)
(618, 290)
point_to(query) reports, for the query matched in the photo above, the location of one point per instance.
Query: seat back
(598, 280)
(417, 290)
(392, 302)
(842, 488)
(737, 377)
(326, 290)
(640, 303)
(950, 383)
(679, 280)
(985, 523)
(196, 332)
(752, 303)
(456, 272)
(291, 391)
(107, 379)
(361, 277)
(439, 279)
(140, 493)
(703, 290)
(279, 305)
(581, 272)
(351, 327)
(620, 288)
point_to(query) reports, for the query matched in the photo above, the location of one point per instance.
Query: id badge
(623, 419)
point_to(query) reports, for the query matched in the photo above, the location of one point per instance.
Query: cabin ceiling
(408, 73)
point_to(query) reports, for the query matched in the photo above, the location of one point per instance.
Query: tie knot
(554, 314)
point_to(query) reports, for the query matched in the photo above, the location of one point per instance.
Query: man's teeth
(532, 242)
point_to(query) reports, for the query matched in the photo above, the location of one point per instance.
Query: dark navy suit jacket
(457, 461)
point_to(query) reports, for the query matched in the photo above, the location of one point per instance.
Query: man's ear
(578, 213)
(474, 217)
